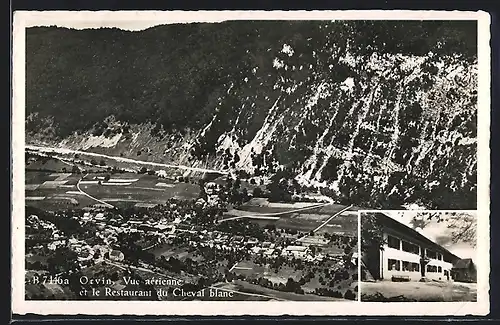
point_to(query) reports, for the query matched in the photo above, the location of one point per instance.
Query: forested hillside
(380, 113)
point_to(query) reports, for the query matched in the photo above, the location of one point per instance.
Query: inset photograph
(427, 256)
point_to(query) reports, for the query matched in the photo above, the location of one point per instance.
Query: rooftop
(296, 248)
(463, 263)
(396, 225)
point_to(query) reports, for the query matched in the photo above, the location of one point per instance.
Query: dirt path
(418, 291)
(90, 196)
(327, 221)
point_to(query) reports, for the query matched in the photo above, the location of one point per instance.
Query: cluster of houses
(225, 242)
(36, 223)
(86, 254)
(166, 229)
(56, 237)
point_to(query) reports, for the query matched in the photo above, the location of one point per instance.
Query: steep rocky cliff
(382, 114)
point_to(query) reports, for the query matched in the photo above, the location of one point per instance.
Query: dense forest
(175, 74)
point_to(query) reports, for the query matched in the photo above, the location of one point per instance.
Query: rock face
(378, 122)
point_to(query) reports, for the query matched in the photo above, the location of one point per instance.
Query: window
(431, 268)
(392, 242)
(431, 254)
(440, 256)
(410, 267)
(394, 265)
(440, 269)
(411, 248)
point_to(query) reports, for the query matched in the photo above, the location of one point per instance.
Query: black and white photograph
(418, 256)
(227, 160)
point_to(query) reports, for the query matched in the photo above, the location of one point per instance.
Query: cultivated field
(52, 191)
(305, 221)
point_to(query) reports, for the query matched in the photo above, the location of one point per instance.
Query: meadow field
(304, 221)
(56, 190)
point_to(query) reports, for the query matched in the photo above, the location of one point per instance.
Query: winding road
(78, 184)
(90, 196)
(327, 221)
(121, 159)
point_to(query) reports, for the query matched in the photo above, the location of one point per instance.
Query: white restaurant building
(407, 254)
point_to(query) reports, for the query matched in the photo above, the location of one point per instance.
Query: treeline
(64, 223)
(175, 75)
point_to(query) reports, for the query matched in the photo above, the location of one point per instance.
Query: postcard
(251, 163)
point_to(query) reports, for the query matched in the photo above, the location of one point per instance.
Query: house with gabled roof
(464, 270)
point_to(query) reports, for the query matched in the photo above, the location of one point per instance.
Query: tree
(244, 195)
(371, 232)
(237, 183)
(102, 162)
(257, 192)
(350, 295)
(114, 276)
(75, 169)
(462, 225)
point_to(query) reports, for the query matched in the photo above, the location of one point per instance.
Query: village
(152, 237)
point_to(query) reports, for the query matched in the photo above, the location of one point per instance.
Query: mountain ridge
(381, 127)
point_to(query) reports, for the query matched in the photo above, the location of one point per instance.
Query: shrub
(337, 294)
(350, 295)
(257, 192)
